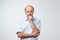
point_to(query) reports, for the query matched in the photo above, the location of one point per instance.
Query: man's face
(29, 11)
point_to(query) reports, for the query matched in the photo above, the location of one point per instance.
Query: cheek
(31, 13)
(27, 14)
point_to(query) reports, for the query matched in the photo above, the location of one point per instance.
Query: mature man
(29, 28)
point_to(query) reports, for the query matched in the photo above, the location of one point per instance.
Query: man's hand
(30, 18)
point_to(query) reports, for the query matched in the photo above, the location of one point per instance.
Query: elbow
(38, 33)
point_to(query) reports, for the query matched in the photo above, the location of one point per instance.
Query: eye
(27, 11)
(30, 11)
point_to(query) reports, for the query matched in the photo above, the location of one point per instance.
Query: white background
(11, 11)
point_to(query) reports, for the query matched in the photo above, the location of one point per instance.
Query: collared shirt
(24, 26)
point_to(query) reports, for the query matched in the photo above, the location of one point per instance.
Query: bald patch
(29, 6)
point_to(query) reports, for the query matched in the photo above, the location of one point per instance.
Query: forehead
(29, 8)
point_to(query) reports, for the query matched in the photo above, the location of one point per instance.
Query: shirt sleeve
(20, 27)
(38, 24)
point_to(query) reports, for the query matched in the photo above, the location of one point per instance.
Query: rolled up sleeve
(20, 28)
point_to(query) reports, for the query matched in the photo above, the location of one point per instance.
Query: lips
(30, 15)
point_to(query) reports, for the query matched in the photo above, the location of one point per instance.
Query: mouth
(30, 15)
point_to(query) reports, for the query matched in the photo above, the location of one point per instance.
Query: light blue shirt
(24, 26)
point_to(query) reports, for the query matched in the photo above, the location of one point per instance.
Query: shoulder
(36, 18)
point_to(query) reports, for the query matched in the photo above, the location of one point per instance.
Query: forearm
(34, 28)
(25, 35)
